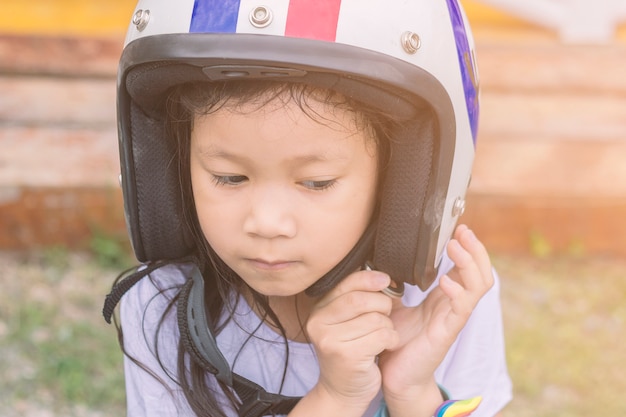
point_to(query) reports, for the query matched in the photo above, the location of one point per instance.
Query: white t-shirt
(475, 364)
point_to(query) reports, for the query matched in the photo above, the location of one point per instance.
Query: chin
(272, 292)
(278, 290)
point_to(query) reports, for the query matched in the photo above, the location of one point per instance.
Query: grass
(564, 323)
(565, 320)
(58, 356)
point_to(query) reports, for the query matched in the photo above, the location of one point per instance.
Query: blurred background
(548, 198)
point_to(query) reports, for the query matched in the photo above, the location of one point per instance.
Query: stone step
(548, 169)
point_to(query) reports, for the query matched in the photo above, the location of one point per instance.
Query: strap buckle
(258, 404)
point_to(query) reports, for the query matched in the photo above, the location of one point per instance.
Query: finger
(348, 306)
(460, 229)
(472, 265)
(461, 301)
(362, 326)
(369, 334)
(368, 281)
(378, 341)
(466, 271)
(477, 250)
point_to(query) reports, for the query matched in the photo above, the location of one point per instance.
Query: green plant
(562, 319)
(56, 256)
(71, 361)
(110, 251)
(58, 357)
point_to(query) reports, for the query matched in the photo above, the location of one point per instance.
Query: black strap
(256, 402)
(194, 328)
(122, 286)
(200, 342)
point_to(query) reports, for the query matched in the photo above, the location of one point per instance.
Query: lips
(270, 265)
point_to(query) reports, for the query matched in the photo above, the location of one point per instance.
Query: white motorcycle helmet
(414, 58)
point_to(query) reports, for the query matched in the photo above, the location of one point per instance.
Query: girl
(293, 196)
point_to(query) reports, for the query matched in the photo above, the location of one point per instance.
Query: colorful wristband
(460, 408)
(449, 408)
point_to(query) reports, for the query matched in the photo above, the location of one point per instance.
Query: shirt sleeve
(151, 352)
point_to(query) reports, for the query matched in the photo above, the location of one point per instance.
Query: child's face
(280, 197)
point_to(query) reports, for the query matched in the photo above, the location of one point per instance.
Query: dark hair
(183, 104)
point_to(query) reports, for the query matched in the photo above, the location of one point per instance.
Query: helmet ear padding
(406, 193)
(155, 206)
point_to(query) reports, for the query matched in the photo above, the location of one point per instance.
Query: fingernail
(395, 289)
(471, 235)
(454, 244)
(381, 278)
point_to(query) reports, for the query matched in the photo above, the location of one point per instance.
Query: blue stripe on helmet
(214, 16)
(467, 65)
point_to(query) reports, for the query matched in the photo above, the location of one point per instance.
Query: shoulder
(148, 309)
(156, 289)
(163, 279)
(150, 341)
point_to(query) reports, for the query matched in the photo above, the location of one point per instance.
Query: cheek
(358, 207)
(215, 226)
(370, 184)
(208, 209)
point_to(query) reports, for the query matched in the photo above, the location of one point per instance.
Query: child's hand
(427, 331)
(349, 328)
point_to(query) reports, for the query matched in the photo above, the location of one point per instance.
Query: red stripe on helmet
(313, 19)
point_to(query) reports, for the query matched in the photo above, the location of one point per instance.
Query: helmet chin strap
(199, 341)
(201, 344)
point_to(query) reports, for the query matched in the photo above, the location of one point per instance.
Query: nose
(270, 213)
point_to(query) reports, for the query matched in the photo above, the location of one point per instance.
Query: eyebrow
(212, 153)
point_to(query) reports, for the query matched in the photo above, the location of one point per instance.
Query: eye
(231, 180)
(318, 185)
